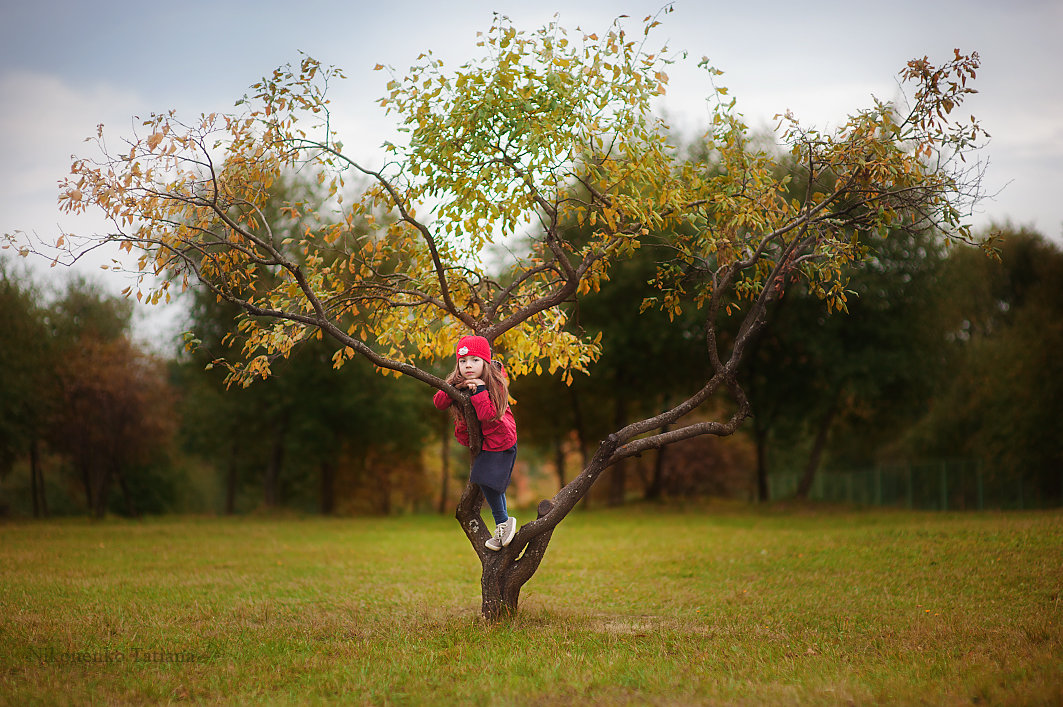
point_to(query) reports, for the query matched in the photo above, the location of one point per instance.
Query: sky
(68, 65)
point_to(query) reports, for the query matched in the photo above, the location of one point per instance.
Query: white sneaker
(503, 536)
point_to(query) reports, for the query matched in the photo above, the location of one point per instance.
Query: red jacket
(499, 435)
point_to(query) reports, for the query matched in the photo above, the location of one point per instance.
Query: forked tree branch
(405, 215)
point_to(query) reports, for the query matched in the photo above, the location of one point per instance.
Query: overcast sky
(67, 65)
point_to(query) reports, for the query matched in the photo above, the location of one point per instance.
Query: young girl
(486, 384)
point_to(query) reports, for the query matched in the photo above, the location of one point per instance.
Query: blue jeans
(497, 502)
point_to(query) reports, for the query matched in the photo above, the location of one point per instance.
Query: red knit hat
(474, 346)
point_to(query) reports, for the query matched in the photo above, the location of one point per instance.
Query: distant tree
(646, 361)
(496, 145)
(26, 370)
(85, 311)
(114, 414)
(1002, 398)
(301, 422)
(847, 385)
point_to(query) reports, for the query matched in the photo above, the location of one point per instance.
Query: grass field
(640, 605)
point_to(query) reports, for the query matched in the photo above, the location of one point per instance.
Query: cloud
(44, 120)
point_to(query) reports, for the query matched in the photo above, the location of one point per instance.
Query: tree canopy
(542, 129)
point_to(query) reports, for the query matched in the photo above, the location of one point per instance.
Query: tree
(74, 384)
(645, 354)
(1001, 400)
(26, 364)
(114, 417)
(114, 413)
(303, 436)
(291, 432)
(541, 129)
(867, 373)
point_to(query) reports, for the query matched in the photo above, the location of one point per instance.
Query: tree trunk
(384, 482)
(581, 438)
(96, 476)
(618, 483)
(328, 487)
(504, 574)
(130, 507)
(656, 488)
(86, 481)
(618, 476)
(34, 492)
(762, 420)
(818, 444)
(760, 442)
(40, 500)
(101, 489)
(231, 481)
(275, 464)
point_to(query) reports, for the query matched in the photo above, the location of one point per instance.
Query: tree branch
(404, 214)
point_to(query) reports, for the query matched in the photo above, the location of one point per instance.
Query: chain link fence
(943, 485)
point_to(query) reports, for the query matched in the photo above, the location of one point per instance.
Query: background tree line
(943, 354)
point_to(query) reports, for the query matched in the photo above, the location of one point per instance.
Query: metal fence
(943, 485)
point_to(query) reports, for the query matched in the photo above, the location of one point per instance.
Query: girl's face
(471, 367)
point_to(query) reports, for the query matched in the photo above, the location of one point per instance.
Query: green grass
(641, 605)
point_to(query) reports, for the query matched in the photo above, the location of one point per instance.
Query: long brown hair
(497, 385)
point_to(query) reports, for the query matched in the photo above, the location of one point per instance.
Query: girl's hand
(473, 383)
